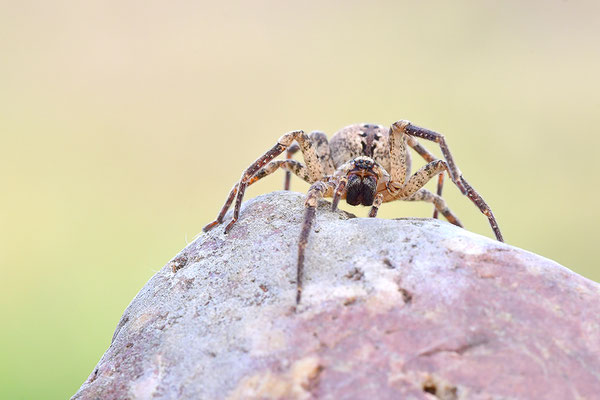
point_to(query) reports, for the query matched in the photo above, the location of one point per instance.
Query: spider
(362, 163)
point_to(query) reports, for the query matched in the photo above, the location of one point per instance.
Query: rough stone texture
(392, 309)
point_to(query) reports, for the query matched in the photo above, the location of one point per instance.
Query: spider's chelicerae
(362, 163)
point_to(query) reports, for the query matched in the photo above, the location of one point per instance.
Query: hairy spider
(362, 163)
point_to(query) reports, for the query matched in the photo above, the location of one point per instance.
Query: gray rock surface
(391, 309)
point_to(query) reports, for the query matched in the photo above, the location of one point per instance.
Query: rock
(391, 309)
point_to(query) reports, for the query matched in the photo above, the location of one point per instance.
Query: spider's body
(364, 164)
(361, 140)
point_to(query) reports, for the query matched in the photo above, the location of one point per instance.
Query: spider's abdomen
(361, 140)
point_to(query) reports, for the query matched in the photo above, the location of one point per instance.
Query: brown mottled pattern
(315, 169)
(346, 145)
(399, 155)
(361, 139)
(319, 140)
(421, 177)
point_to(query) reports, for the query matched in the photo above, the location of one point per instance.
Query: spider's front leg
(316, 192)
(453, 171)
(289, 165)
(321, 147)
(315, 171)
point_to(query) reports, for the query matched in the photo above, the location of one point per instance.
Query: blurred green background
(123, 124)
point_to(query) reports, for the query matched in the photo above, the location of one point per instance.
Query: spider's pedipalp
(376, 204)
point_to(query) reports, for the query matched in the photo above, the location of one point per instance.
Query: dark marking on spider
(364, 164)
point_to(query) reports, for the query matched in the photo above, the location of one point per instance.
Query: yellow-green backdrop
(123, 124)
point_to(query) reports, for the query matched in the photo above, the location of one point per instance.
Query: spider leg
(438, 202)
(376, 204)
(416, 131)
(315, 193)
(453, 171)
(289, 165)
(421, 177)
(339, 189)
(224, 209)
(398, 156)
(288, 155)
(423, 152)
(319, 140)
(313, 166)
(440, 185)
(483, 207)
(321, 145)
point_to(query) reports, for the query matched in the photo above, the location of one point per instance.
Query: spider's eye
(361, 190)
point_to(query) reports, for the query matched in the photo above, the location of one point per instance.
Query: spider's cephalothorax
(363, 163)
